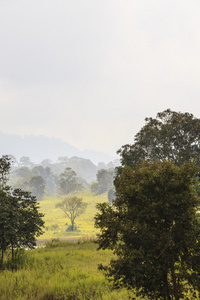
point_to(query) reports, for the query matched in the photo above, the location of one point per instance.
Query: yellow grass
(61, 271)
(55, 219)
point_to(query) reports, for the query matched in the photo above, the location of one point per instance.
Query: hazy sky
(89, 72)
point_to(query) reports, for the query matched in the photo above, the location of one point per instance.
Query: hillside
(40, 147)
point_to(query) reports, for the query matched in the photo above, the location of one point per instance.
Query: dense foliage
(68, 182)
(154, 228)
(170, 136)
(20, 220)
(48, 178)
(37, 180)
(104, 181)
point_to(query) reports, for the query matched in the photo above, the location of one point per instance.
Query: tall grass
(61, 270)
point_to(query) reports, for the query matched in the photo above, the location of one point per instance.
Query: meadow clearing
(56, 222)
(65, 264)
(60, 271)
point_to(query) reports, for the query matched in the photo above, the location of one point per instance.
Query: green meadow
(61, 270)
(56, 222)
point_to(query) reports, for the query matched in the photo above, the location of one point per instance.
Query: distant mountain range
(39, 148)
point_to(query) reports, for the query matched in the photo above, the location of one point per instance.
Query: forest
(129, 229)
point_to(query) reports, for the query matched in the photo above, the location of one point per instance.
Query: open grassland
(56, 221)
(62, 271)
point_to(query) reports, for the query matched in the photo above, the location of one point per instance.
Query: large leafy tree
(72, 207)
(8, 217)
(170, 136)
(20, 220)
(30, 220)
(154, 229)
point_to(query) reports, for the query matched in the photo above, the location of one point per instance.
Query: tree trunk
(12, 252)
(171, 263)
(167, 287)
(72, 225)
(1, 258)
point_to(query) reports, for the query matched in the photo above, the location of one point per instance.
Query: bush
(69, 228)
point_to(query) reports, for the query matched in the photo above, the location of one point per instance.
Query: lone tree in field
(153, 227)
(73, 207)
(172, 136)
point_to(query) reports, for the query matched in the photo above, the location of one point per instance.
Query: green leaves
(156, 231)
(20, 220)
(5, 165)
(153, 227)
(171, 136)
(104, 181)
(68, 182)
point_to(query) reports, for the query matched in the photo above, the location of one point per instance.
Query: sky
(89, 72)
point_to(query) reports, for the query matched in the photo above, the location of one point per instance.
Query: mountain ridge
(39, 147)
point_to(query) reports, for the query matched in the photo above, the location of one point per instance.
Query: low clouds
(89, 72)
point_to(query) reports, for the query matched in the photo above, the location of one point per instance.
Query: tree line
(44, 179)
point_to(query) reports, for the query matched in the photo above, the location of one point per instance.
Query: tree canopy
(154, 229)
(173, 136)
(5, 165)
(68, 182)
(104, 181)
(37, 185)
(20, 220)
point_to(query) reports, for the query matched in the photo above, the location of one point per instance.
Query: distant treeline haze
(62, 177)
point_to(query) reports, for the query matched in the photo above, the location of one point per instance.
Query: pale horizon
(89, 72)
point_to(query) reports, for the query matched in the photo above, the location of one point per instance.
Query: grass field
(56, 221)
(61, 271)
